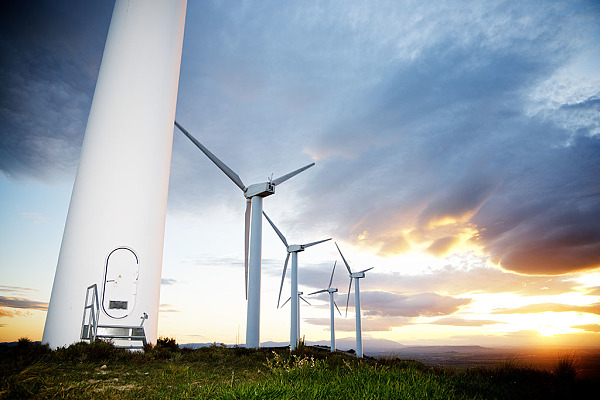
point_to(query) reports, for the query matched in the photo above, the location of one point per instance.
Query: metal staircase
(122, 336)
(91, 312)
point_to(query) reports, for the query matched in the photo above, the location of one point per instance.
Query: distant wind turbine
(253, 235)
(356, 276)
(298, 298)
(331, 291)
(293, 249)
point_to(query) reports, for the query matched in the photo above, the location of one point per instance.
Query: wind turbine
(331, 291)
(293, 249)
(297, 318)
(356, 276)
(253, 235)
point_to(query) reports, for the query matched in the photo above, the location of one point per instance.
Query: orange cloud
(588, 328)
(553, 307)
(20, 302)
(452, 321)
(441, 246)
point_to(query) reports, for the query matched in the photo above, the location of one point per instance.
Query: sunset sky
(457, 151)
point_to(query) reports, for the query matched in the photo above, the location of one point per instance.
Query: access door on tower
(120, 282)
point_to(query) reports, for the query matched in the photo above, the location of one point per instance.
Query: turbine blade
(276, 230)
(313, 243)
(337, 308)
(365, 270)
(289, 298)
(331, 279)
(247, 239)
(285, 177)
(306, 301)
(222, 166)
(348, 299)
(318, 291)
(283, 278)
(345, 262)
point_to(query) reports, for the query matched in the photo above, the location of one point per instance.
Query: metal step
(121, 333)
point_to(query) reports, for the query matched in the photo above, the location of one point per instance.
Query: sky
(457, 151)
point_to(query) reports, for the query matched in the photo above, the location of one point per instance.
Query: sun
(548, 324)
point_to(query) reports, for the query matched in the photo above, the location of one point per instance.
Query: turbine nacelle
(294, 248)
(260, 189)
(357, 275)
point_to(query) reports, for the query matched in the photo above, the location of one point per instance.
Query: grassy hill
(99, 371)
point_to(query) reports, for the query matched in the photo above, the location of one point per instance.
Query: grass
(164, 371)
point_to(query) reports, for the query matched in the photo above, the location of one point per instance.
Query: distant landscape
(461, 357)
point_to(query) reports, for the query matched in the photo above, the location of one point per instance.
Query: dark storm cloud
(20, 302)
(455, 151)
(51, 52)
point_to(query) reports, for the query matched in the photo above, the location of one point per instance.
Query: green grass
(99, 371)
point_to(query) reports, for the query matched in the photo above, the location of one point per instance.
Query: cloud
(20, 302)
(385, 304)
(11, 314)
(37, 218)
(550, 307)
(457, 148)
(454, 321)
(168, 281)
(7, 313)
(368, 324)
(16, 290)
(469, 274)
(588, 328)
(48, 73)
(168, 308)
(595, 291)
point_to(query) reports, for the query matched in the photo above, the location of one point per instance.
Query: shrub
(167, 343)
(567, 366)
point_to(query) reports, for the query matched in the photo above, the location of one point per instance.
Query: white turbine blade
(337, 308)
(276, 230)
(345, 262)
(365, 270)
(331, 279)
(285, 177)
(318, 291)
(289, 298)
(283, 278)
(306, 301)
(247, 239)
(222, 166)
(313, 243)
(348, 299)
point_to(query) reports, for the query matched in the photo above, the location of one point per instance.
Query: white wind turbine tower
(298, 298)
(331, 291)
(253, 235)
(356, 276)
(293, 249)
